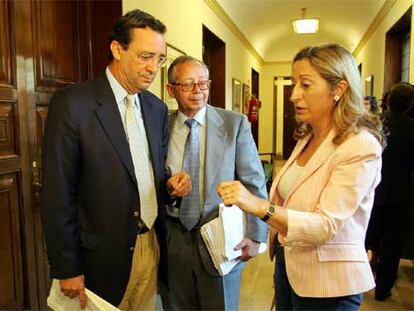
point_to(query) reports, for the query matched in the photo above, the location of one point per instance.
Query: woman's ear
(340, 88)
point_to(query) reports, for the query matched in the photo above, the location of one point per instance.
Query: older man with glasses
(211, 145)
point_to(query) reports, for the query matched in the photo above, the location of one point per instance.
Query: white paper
(212, 234)
(59, 302)
(222, 234)
(234, 225)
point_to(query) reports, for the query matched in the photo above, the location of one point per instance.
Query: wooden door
(214, 56)
(59, 60)
(14, 244)
(289, 122)
(46, 45)
(71, 44)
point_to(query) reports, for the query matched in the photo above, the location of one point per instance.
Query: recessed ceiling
(267, 24)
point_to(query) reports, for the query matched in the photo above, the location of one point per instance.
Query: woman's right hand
(233, 192)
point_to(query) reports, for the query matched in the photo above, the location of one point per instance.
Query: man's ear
(116, 49)
(170, 89)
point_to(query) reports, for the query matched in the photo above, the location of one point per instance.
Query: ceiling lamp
(305, 25)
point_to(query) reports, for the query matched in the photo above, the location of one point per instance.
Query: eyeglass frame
(146, 57)
(193, 84)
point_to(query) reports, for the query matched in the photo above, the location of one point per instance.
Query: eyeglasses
(188, 87)
(145, 58)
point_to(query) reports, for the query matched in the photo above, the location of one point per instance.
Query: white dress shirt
(178, 137)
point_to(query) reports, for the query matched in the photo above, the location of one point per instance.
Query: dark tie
(190, 204)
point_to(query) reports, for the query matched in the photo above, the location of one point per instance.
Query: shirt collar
(119, 92)
(200, 116)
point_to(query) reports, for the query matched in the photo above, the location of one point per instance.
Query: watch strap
(271, 208)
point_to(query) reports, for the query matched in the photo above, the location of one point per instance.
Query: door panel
(7, 64)
(11, 281)
(8, 127)
(58, 58)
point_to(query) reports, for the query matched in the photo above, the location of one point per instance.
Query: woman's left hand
(233, 192)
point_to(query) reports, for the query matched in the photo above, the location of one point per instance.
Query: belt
(173, 219)
(176, 220)
(142, 228)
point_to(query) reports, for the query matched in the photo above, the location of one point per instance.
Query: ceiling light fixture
(305, 25)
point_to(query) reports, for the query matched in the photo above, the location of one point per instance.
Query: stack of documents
(59, 302)
(222, 234)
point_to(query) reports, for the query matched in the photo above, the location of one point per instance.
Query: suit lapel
(316, 161)
(149, 118)
(295, 153)
(171, 121)
(110, 119)
(215, 144)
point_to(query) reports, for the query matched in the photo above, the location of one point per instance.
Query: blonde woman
(321, 200)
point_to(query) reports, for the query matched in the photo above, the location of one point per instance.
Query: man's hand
(249, 248)
(179, 185)
(74, 287)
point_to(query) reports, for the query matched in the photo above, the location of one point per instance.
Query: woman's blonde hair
(334, 63)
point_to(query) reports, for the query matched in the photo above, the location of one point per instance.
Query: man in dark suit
(217, 146)
(385, 233)
(104, 174)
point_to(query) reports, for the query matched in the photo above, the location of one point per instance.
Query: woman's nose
(295, 94)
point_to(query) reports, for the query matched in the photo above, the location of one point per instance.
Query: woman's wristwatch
(270, 211)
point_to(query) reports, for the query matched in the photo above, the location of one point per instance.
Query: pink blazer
(328, 211)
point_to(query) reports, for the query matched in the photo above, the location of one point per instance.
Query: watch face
(271, 209)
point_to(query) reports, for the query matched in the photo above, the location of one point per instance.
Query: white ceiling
(267, 24)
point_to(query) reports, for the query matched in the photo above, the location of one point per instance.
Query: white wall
(184, 20)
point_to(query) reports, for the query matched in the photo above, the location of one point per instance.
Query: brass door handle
(37, 183)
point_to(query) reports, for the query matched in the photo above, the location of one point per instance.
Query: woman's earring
(337, 98)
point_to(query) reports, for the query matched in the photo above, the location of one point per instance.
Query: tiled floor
(257, 291)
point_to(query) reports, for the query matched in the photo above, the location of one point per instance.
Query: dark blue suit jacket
(89, 190)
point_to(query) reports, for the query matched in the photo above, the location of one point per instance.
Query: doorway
(289, 122)
(397, 52)
(284, 118)
(255, 92)
(214, 56)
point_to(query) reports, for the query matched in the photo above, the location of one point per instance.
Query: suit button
(131, 248)
(136, 214)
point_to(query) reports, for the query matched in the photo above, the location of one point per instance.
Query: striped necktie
(144, 174)
(190, 204)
